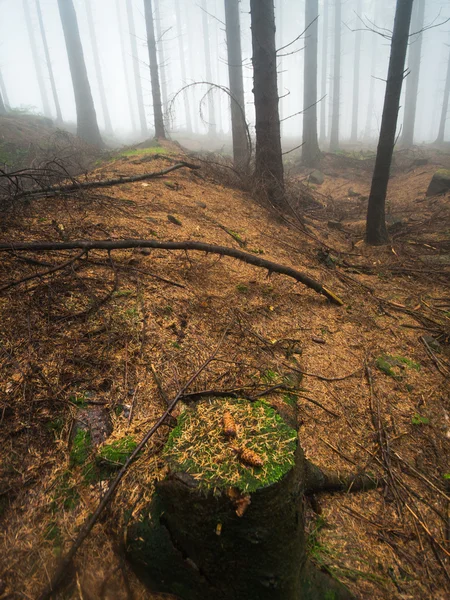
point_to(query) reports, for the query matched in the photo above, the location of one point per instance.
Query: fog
(110, 20)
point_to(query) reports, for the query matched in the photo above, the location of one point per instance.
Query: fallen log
(251, 259)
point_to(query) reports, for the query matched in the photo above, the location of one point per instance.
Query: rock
(95, 420)
(174, 220)
(440, 183)
(334, 224)
(432, 342)
(420, 162)
(201, 204)
(316, 177)
(352, 194)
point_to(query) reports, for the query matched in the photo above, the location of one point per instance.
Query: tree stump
(228, 520)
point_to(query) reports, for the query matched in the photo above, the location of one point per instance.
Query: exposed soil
(91, 332)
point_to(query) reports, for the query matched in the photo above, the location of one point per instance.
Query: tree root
(318, 481)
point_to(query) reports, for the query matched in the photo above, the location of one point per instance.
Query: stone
(95, 420)
(440, 183)
(316, 177)
(352, 194)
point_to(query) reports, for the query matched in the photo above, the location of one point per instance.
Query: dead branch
(251, 259)
(326, 481)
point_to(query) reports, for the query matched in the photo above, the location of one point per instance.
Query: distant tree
(187, 108)
(136, 72)
(356, 76)
(269, 159)
(234, 53)
(212, 127)
(98, 68)
(323, 82)
(87, 126)
(310, 149)
(376, 233)
(154, 72)
(373, 70)
(2, 105)
(279, 42)
(37, 62)
(161, 60)
(440, 137)
(3, 91)
(125, 67)
(59, 118)
(412, 81)
(334, 133)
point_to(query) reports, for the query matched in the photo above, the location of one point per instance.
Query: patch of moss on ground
(443, 173)
(392, 365)
(144, 151)
(66, 496)
(117, 452)
(198, 445)
(81, 448)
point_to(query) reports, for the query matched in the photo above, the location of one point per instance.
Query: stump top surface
(232, 443)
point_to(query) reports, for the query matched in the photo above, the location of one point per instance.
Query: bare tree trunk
(154, 73)
(125, 68)
(37, 64)
(3, 91)
(412, 81)
(87, 126)
(161, 61)
(310, 149)
(2, 106)
(440, 137)
(98, 69)
(238, 126)
(137, 76)
(356, 69)
(279, 43)
(323, 84)
(59, 118)
(334, 134)
(269, 160)
(376, 233)
(212, 127)
(187, 108)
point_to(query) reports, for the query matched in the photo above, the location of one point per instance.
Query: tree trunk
(279, 44)
(3, 91)
(334, 133)
(310, 149)
(37, 64)
(59, 118)
(412, 81)
(376, 233)
(187, 108)
(98, 68)
(269, 160)
(440, 137)
(125, 68)
(2, 105)
(323, 84)
(356, 76)
(212, 127)
(87, 127)
(161, 61)
(238, 125)
(136, 71)
(154, 73)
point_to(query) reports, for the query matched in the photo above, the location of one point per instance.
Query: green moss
(241, 288)
(66, 496)
(55, 426)
(144, 151)
(81, 448)
(420, 420)
(392, 365)
(116, 453)
(79, 399)
(443, 172)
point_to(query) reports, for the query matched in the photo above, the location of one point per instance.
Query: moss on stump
(228, 522)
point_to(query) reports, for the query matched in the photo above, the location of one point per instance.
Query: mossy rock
(440, 183)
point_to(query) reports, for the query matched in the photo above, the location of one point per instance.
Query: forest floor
(87, 336)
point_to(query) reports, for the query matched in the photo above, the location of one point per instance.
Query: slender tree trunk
(2, 106)
(310, 149)
(136, 71)
(59, 118)
(187, 108)
(238, 126)
(373, 71)
(161, 61)
(323, 85)
(376, 233)
(356, 76)
(98, 69)
(37, 64)
(412, 81)
(334, 134)
(87, 126)
(217, 72)
(279, 43)
(212, 127)
(440, 137)
(125, 68)
(269, 160)
(154, 73)
(3, 90)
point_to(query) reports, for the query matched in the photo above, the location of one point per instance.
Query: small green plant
(392, 365)
(269, 376)
(81, 448)
(123, 293)
(420, 420)
(55, 426)
(79, 399)
(242, 288)
(446, 476)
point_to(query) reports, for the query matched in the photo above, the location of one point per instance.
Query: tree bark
(269, 160)
(3, 90)
(279, 44)
(125, 68)
(161, 61)
(187, 108)
(59, 118)
(310, 149)
(376, 232)
(238, 124)
(2, 105)
(37, 64)
(412, 81)
(440, 137)
(323, 84)
(212, 127)
(356, 76)
(98, 68)
(334, 133)
(87, 126)
(136, 70)
(154, 73)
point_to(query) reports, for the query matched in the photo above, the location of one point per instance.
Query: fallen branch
(73, 187)
(109, 245)
(325, 481)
